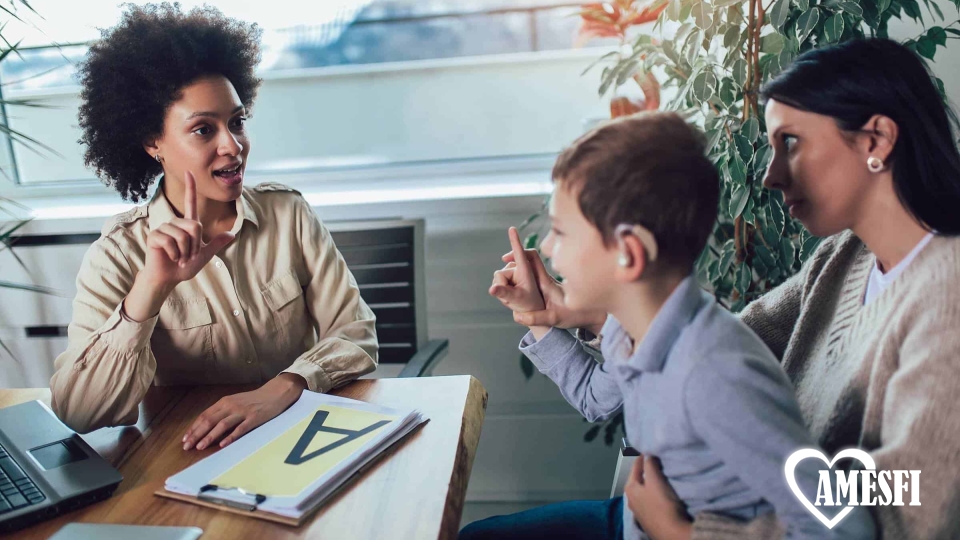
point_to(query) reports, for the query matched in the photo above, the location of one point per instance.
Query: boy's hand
(516, 284)
(656, 507)
(555, 312)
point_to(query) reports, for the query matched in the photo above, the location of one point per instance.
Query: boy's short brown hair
(646, 169)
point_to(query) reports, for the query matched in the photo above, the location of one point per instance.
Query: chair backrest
(385, 256)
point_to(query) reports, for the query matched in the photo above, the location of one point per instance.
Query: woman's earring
(157, 157)
(624, 260)
(874, 164)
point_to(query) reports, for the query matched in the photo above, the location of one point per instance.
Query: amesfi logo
(857, 487)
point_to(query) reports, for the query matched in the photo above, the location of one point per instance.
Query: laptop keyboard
(16, 488)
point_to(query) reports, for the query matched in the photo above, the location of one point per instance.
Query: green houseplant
(13, 216)
(710, 65)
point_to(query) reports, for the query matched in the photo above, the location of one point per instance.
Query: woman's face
(822, 172)
(204, 133)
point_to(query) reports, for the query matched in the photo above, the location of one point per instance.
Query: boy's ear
(631, 259)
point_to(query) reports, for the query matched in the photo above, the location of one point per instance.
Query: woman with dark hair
(210, 282)
(869, 330)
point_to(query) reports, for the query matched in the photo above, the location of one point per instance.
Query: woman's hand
(235, 415)
(654, 504)
(176, 251)
(553, 313)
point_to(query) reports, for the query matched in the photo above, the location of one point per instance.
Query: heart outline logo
(800, 455)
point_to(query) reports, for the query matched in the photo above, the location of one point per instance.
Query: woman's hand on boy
(653, 503)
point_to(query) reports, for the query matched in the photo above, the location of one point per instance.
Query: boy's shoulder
(716, 340)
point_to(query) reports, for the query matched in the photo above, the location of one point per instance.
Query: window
(311, 35)
(308, 121)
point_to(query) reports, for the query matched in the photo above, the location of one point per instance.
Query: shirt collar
(684, 302)
(160, 211)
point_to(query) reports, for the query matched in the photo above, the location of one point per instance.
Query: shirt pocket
(183, 341)
(284, 297)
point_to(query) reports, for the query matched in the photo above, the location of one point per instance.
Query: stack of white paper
(293, 463)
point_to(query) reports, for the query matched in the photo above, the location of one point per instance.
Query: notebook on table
(287, 468)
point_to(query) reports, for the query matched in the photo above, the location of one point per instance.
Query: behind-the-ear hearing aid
(643, 234)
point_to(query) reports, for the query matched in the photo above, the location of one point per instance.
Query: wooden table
(417, 492)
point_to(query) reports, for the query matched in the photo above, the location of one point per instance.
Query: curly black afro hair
(139, 68)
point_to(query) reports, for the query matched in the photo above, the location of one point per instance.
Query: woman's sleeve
(920, 423)
(108, 365)
(346, 326)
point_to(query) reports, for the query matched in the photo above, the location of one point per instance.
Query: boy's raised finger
(518, 253)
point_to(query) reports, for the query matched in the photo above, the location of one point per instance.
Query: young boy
(634, 204)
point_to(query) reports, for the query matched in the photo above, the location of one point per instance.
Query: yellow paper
(284, 469)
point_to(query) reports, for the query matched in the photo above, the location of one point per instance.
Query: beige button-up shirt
(279, 298)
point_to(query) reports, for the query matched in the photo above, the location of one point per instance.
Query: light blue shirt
(704, 394)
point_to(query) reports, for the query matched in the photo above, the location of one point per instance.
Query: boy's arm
(584, 383)
(744, 409)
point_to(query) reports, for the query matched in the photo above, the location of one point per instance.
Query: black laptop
(46, 468)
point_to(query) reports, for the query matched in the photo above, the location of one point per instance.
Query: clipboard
(207, 498)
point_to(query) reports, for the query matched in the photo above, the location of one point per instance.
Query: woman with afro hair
(210, 282)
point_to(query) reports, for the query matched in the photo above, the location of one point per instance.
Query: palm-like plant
(13, 215)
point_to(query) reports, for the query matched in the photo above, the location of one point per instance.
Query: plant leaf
(731, 38)
(705, 85)
(692, 46)
(787, 252)
(32, 288)
(744, 277)
(673, 10)
(728, 95)
(713, 137)
(771, 43)
(726, 257)
(751, 129)
(833, 29)
(808, 247)
(738, 200)
(740, 72)
(703, 15)
(807, 23)
(738, 171)
(938, 35)
(786, 58)
(804, 5)
(852, 8)
(744, 147)
(926, 47)
(765, 255)
(779, 13)
(777, 217)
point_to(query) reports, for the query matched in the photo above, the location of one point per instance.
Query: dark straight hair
(857, 79)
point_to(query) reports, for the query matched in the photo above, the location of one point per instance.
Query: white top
(880, 281)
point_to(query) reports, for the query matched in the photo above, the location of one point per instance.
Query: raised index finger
(190, 197)
(518, 255)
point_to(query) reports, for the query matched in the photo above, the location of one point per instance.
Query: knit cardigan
(884, 377)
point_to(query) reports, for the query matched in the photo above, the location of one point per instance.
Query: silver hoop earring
(874, 164)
